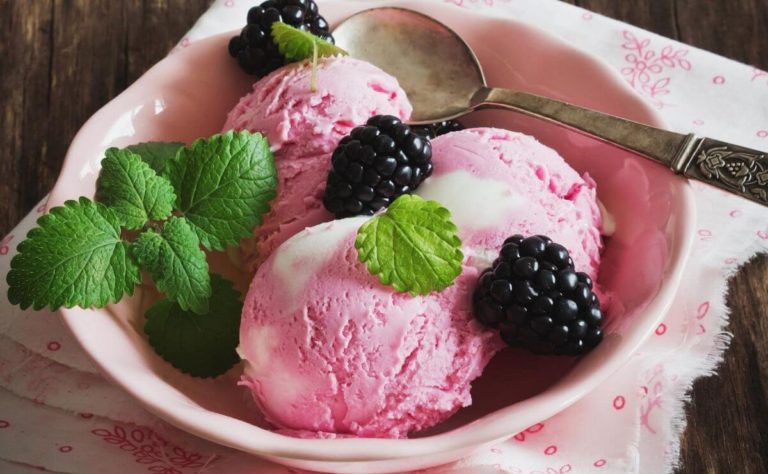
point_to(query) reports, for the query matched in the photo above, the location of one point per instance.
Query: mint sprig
(176, 263)
(171, 201)
(75, 257)
(201, 345)
(297, 45)
(224, 185)
(413, 246)
(133, 190)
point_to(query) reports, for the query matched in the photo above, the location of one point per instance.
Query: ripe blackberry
(436, 129)
(254, 49)
(375, 164)
(536, 299)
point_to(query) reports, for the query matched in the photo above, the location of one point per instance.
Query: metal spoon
(444, 80)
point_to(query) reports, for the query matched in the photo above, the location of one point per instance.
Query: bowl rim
(490, 427)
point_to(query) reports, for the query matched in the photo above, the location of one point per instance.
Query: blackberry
(374, 165)
(436, 129)
(254, 49)
(536, 299)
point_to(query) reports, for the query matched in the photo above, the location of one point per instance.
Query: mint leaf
(75, 257)
(133, 190)
(201, 345)
(224, 185)
(413, 246)
(176, 263)
(156, 154)
(296, 44)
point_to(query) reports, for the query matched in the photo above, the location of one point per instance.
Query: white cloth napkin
(56, 412)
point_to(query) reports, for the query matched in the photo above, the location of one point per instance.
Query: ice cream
(331, 350)
(497, 183)
(300, 122)
(303, 128)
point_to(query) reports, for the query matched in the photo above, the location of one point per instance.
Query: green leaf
(156, 154)
(413, 247)
(201, 345)
(133, 190)
(296, 44)
(224, 185)
(176, 263)
(75, 257)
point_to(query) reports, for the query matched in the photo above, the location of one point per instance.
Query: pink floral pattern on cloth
(90, 426)
(151, 449)
(646, 66)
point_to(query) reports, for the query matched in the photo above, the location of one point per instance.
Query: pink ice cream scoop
(498, 183)
(300, 122)
(303, 128)
(331, 350)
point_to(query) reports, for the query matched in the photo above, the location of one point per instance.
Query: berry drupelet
(374, 165)
(254, 49)
(536, 299)
(436, 129)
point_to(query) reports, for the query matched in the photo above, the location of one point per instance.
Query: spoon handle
(733, 168)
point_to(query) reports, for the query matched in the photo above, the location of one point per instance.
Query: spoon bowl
(440, 76)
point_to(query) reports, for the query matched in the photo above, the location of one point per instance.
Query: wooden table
(62, 60)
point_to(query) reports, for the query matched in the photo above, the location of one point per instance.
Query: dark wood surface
(60, 60)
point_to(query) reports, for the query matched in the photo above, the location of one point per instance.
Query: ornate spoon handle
(733, 168)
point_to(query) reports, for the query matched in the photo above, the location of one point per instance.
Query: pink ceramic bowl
(187, 96)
